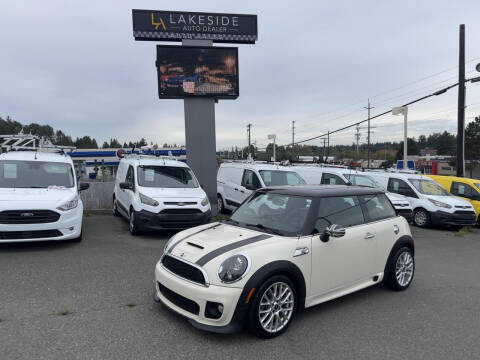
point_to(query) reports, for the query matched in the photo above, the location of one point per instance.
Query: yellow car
(466, 188)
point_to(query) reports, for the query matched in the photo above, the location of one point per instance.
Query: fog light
(213, 310)
(71, 228)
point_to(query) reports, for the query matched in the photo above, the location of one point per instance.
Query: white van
(431, 203)
(39, 198)
(156, 193)
(344, 176)
(237, 180)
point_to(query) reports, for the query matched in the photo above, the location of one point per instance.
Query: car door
(381, 216)
(125, 195)
(250, 183)
(345, 261)
(467, 192)
(399, 186)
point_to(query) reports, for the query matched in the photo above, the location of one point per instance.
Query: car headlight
(147, 200)
(69, 205)
(440, 204)
(205, 201)
(233, 268)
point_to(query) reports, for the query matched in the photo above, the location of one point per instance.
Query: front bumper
(186, 294)
(460, 218)
(166, 221)
(67, 227)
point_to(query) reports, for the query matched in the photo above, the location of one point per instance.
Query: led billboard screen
(190, 71)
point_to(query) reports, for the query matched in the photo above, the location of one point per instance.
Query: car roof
(397, 175)
(36, 156)
(153, 161)
(323, 190)
(454, 178)
(256, 166)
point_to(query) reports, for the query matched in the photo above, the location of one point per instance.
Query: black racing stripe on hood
(213, 254)
(186, 237)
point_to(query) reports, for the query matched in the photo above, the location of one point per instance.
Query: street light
(399, 111)
(273, 137)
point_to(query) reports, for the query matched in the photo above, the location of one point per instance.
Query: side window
(400, 187)
(344, 211)
(294, 179)
(332, 179)
(130, 178)
(250, 180)
(462, 190)
(377, 207)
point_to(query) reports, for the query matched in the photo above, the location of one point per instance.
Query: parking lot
(93, 300)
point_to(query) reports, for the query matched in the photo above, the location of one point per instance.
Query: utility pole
(461, 105)
(248, 132)
(328, 145)
(357, 138)
(368, 136)
(323, 157)
(293, 133)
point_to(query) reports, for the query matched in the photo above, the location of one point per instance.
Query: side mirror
(83, 186)
(125, 186)
(250, 187)
(333, 230)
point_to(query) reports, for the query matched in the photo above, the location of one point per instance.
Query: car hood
(452, 200)
(181, 193)
(39, 198)
(201, 244)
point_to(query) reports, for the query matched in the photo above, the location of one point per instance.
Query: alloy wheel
(219, 204)
(404, 268)
(421, 218)
(132, 222)
(276, 307)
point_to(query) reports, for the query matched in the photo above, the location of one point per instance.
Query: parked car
(154, 193)
(343, 176)
(431, 203)
(284, 249)
(39, 197)
(237, 180)
(468, 189)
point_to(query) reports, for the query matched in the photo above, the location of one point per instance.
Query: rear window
(166, 177)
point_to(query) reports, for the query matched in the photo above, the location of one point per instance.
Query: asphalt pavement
(93, 300)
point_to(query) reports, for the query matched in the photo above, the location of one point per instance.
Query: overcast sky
(75, 66)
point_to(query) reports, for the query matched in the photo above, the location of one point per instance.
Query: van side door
(250, 183)
(125, 196)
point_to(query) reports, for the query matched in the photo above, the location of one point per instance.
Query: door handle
(243, 192)
(369, 236)
(236, 189)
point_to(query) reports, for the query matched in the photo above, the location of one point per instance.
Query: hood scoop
(195, 245)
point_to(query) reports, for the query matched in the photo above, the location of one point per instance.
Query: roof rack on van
(29, 142)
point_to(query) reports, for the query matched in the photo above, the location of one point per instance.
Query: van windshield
(35, 174)
(477, 185)
(280, 178)
(166, 177)
(428, 187)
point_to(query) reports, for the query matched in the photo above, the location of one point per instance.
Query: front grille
(21, 235)
(179, 203)
(183, 269)
(404, 211)
(180, 211)
(179, 300)
(462, 206)
(28, 216)
(469, 213)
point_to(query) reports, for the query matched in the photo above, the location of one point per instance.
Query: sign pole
(200, 137)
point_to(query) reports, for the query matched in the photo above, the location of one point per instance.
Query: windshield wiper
(263, 227)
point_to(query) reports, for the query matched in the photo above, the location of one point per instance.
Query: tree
(9, 127)
(86, 143)
(105, 145)
(472, 144)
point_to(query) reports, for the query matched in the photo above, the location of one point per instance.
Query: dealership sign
(156, 25)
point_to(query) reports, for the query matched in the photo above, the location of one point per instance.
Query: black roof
(323, 190)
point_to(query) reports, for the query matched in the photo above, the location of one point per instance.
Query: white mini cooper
(284, 249)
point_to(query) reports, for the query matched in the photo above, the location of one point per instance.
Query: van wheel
(220, 205)
(421, 218)
(274, 306)
(115, 207)
(400, 270)
(133, 226)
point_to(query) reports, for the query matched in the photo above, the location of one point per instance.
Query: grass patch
(219, 217)
(1, 320)
(131, 304)
(463, 231)
(63, 312)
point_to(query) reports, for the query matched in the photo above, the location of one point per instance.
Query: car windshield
(361, 180)
(166, 177)
(280, 178)
(35, 174)
(429, 187)
(275, 213)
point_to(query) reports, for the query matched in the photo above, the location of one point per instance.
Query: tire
(220, 205)
(402, 259)
(115, 208)
(132, 224)
(270, 326)
(421, 218)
